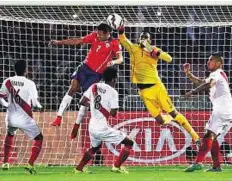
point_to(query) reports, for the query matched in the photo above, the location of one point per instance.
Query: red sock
(215, 153)
(36, 147)
(122, 156)
(7, 147)
(204, 149)
(75, 131)
(85, 159)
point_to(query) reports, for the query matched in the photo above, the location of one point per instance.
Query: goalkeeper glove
(155, 53)
(121, 30)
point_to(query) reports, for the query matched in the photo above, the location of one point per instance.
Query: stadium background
(51, 69)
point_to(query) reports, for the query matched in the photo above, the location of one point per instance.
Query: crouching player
(103, 101)
(21, 92)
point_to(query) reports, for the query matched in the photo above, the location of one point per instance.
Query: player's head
(103, 32)
(20, 67)
(215, 62)
(144, 36)
(110, 76)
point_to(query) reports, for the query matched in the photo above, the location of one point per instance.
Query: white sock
(64, 104)
(81, 114)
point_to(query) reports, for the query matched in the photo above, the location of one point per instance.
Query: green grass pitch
(156, 173)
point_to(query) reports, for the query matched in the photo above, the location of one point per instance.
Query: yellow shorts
(156, 99)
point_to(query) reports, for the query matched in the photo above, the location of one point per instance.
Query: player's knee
(39, 137)
(173, 113)
(210, 134)
(159, 119)
(128, 142)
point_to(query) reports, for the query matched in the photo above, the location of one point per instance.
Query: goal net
(188, 33)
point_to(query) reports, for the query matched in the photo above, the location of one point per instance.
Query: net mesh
(188, 33)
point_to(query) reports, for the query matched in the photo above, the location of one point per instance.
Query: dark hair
(109, 74)
(20, 67)
(217, 57)
(104, 27)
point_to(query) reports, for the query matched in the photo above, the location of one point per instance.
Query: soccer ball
(115, 21)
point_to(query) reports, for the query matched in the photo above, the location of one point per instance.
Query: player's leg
(182, 121)
(206, 146)
(124, 153)
(66, 101)
(92, 77)
(167, 105)
(8, 144)
(88, 155)
(31, 129)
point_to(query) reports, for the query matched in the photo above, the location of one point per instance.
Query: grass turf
(157, 173)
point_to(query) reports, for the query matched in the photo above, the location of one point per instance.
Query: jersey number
(15, 96)
(98, 48)
(97, 101)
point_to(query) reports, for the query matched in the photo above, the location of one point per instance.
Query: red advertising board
(154, 144)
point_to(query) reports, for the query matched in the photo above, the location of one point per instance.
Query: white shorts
(28, 126)
(218, 124)
(108, 135)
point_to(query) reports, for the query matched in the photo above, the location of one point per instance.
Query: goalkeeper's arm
(197, 81)
(124, 41)
(156, 52)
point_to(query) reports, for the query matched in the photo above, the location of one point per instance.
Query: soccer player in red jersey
(103, 49)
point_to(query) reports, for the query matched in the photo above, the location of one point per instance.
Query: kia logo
(153, 143)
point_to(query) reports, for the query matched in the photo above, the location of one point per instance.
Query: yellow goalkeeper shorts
(156, 99)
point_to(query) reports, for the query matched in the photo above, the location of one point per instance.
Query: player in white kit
(221, 118)
(21, 93)
(103, 101)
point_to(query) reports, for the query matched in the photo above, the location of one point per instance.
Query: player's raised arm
(124, 40)
(74, 41)
(190, 76)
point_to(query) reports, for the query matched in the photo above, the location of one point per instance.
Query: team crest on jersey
(107, 45)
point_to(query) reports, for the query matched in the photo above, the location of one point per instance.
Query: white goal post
(188, 30)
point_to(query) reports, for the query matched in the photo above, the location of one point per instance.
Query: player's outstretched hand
(188, 94)
(52, 42)
(121, 30)
(186, 68)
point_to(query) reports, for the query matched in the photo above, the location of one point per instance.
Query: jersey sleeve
(213, 76)
(114, 100)
(126, 43)
(3, 90)
(116, 48)
(34, 96)
(89, 38)
(163, 55)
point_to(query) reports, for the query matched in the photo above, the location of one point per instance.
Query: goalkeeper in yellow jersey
(143, 62)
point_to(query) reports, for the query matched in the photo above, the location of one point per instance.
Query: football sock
(81, 114)
(36, 147)
(64, 104)
(215, 153)
(122, 156)
(85, 159)
(205, 147)
(8, 142)
(185, 124)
